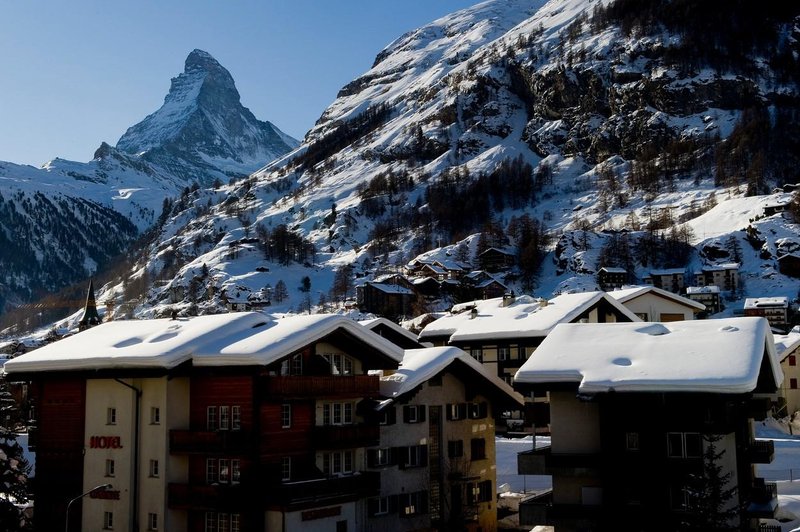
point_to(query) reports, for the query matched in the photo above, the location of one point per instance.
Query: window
(478, 491)
(793, 383)
(212, 471)
(152, 521)
(414, 413)
(236, 417)
(792, 360)
(414, 503)
(632, 441)
(504, 353)
(521, 354)
(388, 416)
(154, 468)
(236, 470)
(108, 520)
(224, 417)
(236, 520)
(378, 506)
(211, 418)
(680, 497)
(380, 457)
(109, 468)
(477, 449)
(297, 365)
(455, 449)
(223, 522)
(456, 411)
(338, 462)
(477, 410)
(339, 364)
(476, 353)
(211, 522)
(337, 414)
(111, 416)
(414, 456)
(155, 415)
(224, 470)
(684, 445)
(286, 468)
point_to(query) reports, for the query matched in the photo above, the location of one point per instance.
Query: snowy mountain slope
(571, 115)
(202, 131)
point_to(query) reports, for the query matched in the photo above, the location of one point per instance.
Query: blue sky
(81, 72)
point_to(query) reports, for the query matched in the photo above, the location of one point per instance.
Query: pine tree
(14, 471)
(711, 498)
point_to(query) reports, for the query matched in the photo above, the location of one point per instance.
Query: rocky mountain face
(202, 132)
(67, 220)
(524, 125)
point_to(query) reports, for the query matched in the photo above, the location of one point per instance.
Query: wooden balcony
(330, 490)
(328, 386)
(345, 436)
(763, 499)
(209, 442)
(542, 461)
(761, 452)
(209, 497)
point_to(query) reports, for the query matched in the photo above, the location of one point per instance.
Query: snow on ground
(507, 477)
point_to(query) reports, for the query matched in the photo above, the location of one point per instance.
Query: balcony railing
(325, 490)
(542, 461)
(202, 441)
(322, 386)
(209, 497)
(345, 436)
(761, 452)
(763, 499)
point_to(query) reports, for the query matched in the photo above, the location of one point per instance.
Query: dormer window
(340, 364)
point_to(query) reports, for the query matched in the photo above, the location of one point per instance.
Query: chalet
(775, 309)
(775, 208)
(494, 260)
(654, 304)
(706, 295)
(610, 278)
(229, 422)
(726, 276)
(631, 402)
(672, 279)
(502, 333)
(483, 285)
(787, 347)
(393, 332)
(789, 264)
(437, 449)
(391, 296)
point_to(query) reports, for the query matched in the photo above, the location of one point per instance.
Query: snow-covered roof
(715, 356)
(786, 344)
(721, 267)
(419, 365)
(763, 302)
(710, 289)
(624, 295)
(391, 288)
(245, 338)
(668, 271)
(609, 269)
(371, 324)
(526, 317)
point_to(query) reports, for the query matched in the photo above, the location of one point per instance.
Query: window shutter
(423, 459)
(393, 456)
(422, 499)
(402, 456)
(372, 506)
(372, 458)
(391, 416)
(483, 409)
(449, 413)
(406, 413)
(421, 413)
(393, 504)
(462, 410)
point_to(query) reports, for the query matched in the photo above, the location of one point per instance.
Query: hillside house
(495, 260)
(708, 296)
(672, 279)
(787, 347)
(502, 333)
(789, 264)
(654, 304)
(775, 309)
(631, 402)
(391, 296)
(726, 276)
(484, 285)
(610, 278)
(775, 208)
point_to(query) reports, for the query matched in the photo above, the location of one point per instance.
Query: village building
(787, 347)
(726, 276)
(244, 422)
(789, 264)
(654, 304)
(483, 285)
(671, 279)
(502, 333)
(631, 402)
(393, 332)
(610, 278)
(775, 309)
(391, 296)
(437, 445)
(709, 296)
(495, 260)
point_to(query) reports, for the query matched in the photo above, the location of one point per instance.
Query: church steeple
(90, 316)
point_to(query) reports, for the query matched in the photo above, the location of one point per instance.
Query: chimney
(473, 313)
(543, 302)
(509, 298)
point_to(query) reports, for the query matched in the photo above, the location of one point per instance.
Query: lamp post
(102, 487)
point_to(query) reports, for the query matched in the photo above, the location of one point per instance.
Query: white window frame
(211, 418)
(111, 416)
(108, 520)
(224, 417)
(211, 522)
(286, 416)
(236, 417)
(155, 415)
(154, 468)
(110, 467)
(286, 468)
(212, 471)
(152, 521)
(236, 470)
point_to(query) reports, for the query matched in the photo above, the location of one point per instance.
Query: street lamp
(101, 487)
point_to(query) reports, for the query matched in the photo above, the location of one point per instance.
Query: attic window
(654, 329)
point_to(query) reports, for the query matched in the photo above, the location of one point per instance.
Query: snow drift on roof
(716, 356)
(626, 294)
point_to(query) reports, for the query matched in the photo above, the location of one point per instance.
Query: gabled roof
(378, 323)
(626, 294)
(239, 339)
(786, 344)
(713, 356)
(526, 317)
(766, 302)
(609, 269)
(419, 365)
(391, 288)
